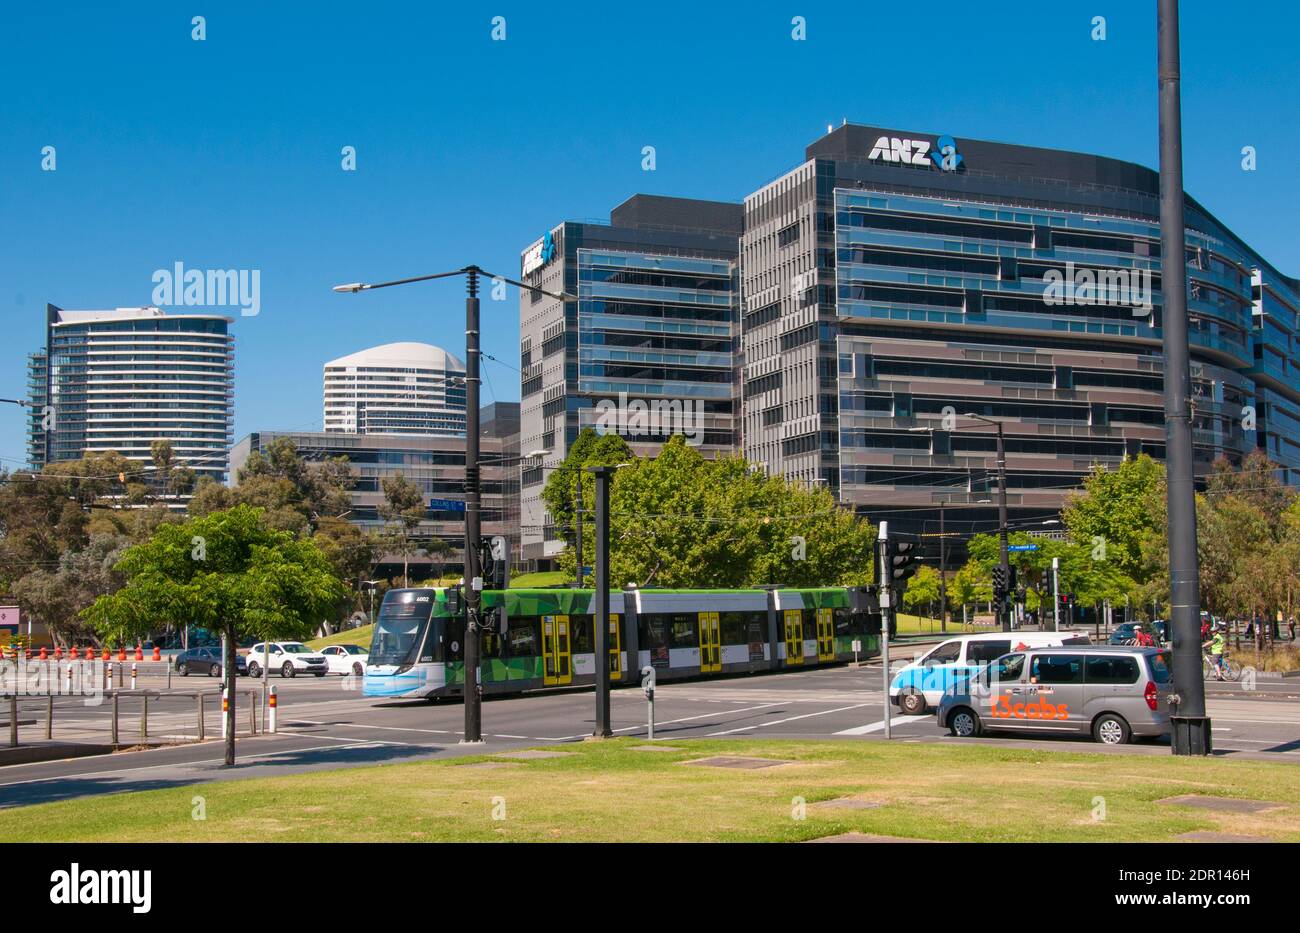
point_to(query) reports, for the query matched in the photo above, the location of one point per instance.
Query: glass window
(682, 632)
(1057, 669)
(1005, 669)
(947, 653)
(982, 652)
(1160, 671)
(1111, 670)
(522, 636)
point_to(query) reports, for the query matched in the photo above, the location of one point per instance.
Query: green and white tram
(544, 638)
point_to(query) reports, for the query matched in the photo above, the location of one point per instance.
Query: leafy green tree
(228, 572)
(403, 508)
(1118, 507)
(922, 590)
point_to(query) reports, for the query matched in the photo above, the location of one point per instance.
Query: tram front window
(398, 630)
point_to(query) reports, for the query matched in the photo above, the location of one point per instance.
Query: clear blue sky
(226, 153)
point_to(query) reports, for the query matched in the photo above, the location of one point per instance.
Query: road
(323, 725)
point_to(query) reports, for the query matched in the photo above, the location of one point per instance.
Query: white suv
(346, 659)
(290, 658)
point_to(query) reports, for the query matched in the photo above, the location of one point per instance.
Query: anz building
(903, 293)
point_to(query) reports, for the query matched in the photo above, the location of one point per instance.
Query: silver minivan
(1113, 694)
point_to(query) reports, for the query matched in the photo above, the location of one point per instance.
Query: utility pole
(1192, 733)
(1004, 609)
(603, 475)
(473, 492)
(883, 576)
(473, 517)
(943, 572)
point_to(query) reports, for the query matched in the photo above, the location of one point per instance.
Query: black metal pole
(603, 474)
(1191, 726)
(943, 573)
(473, 574)
(1004, 608)
(577, 528)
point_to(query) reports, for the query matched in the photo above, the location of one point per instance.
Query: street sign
(1022, 547)
(446, 505)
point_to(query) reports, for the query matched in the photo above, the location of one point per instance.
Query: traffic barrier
(44, 654)
(90, 653)
(107, 654)
(139, 652)
(157, 653)
(121, 652)
(58, 652)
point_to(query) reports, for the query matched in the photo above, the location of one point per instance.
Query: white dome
(405, 353)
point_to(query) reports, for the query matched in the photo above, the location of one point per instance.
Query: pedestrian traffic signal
(999, 582)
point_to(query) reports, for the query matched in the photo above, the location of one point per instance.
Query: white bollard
(275, 715)
(225, 708)
(133, 676)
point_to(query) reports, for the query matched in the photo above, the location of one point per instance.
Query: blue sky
(226, 153)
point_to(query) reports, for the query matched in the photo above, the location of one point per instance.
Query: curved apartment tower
(398, 388)
(119, 380)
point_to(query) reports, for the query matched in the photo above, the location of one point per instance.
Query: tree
(681, 520)
(228, 572)
(297, 495)
(403, 508)
(1117, 509)
(922, 590)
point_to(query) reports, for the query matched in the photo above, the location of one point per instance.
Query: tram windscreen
(399, 628)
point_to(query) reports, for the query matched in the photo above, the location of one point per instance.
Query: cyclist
(1217, 645)
(1143, 638)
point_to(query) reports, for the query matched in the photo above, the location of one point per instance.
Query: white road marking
(777, 722)
(668, 722)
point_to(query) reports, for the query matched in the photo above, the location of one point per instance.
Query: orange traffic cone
(139, 652)
(157, 653)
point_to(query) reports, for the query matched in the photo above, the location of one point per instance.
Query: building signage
(942, 155)
(446, 505)
(540, 253)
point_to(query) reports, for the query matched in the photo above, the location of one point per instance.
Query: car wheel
(287, 670)
(254, 670)
(183, 669)
(358, 669)
(964, 723)
(214, 670)
(1110, 729)
(912, 703)
(319, 673)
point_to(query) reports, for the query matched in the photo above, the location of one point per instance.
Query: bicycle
(1230, 671)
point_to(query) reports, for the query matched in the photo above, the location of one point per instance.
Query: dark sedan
(206, 661)
(1126, 633)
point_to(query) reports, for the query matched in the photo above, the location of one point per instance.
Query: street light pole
(1191, 734)
(1004, 609)
(473, 493)
(577, 528)
(473, 517)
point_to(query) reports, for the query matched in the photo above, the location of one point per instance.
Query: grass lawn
(920, 625)
(609, 791)
(541, 578)
(353, 636)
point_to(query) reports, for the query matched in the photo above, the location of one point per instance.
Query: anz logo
(548, 248)
(943, 156)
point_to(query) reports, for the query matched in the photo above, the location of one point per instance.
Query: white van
(921, 684)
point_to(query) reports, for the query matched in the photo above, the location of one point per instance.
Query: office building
(119, 380)
(647, 351)
(412, 389)
(436, 465)
(895, 282)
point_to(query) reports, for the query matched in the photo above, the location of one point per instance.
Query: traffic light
(999, 583)
(455, 600)
(902, 561)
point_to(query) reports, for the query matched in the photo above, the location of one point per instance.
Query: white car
(288, 659)
(346, 659)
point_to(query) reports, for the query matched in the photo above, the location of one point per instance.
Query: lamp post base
(1191, 735)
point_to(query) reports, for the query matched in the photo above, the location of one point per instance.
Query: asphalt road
(324, 725)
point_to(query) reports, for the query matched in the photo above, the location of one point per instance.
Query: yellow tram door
(556, 669)
(825, 634)
(615, 646)
(793, 637)
(710, 643)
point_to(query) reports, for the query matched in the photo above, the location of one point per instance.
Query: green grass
(541, 578)
(608, 791)
(920, 625)
(353, 636)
